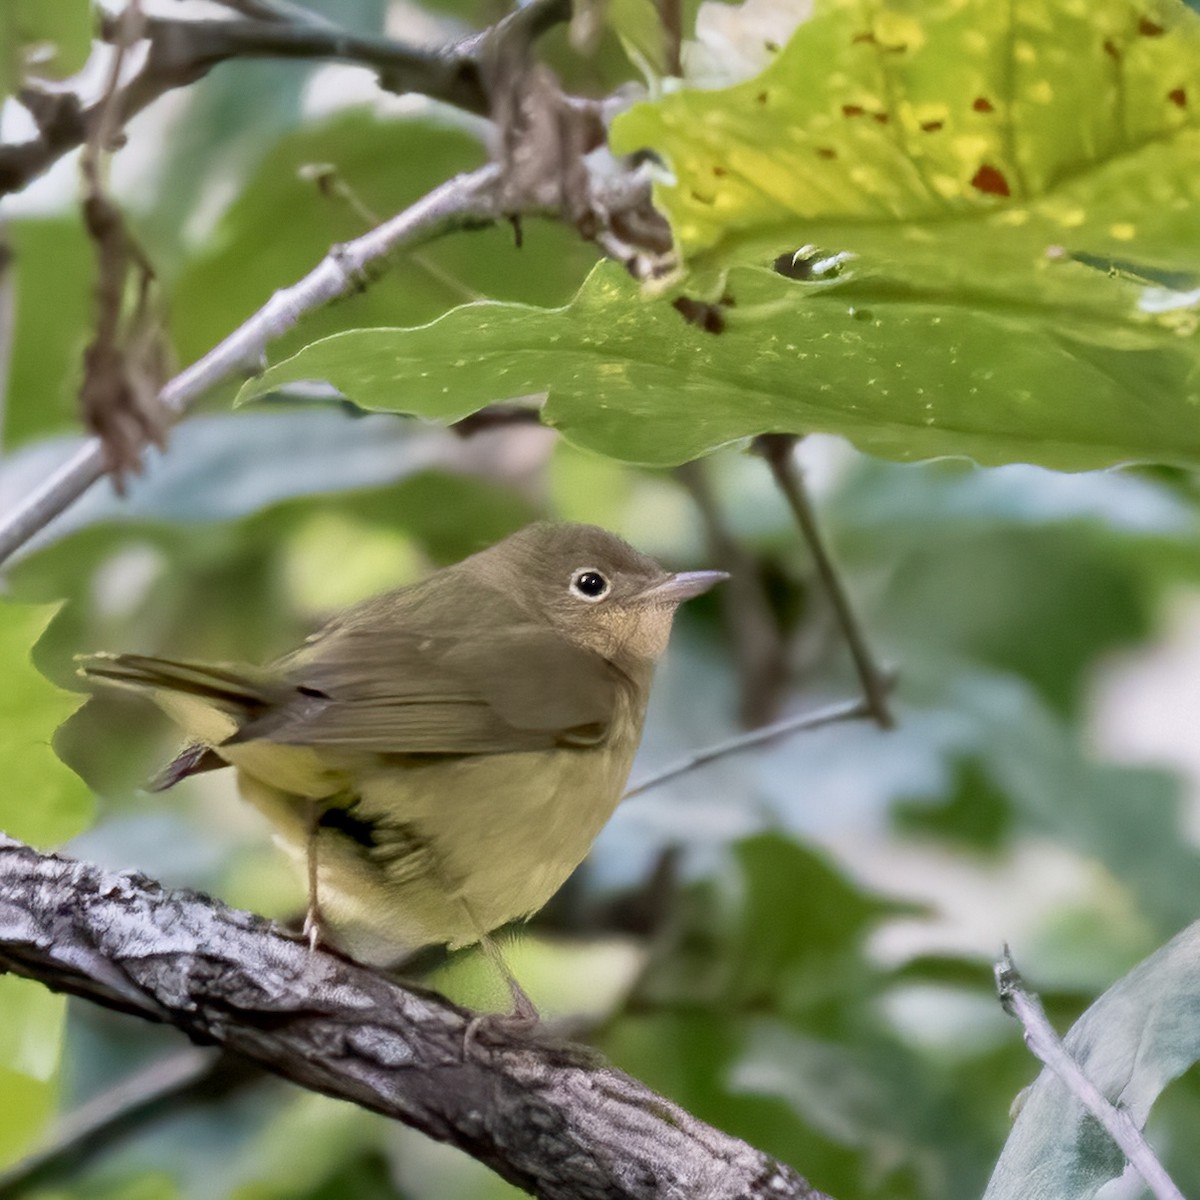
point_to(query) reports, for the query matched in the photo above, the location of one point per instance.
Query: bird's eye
(589, 584)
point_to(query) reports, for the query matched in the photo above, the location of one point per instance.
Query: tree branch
(547, 1118)
(460, 202)
(182, 51)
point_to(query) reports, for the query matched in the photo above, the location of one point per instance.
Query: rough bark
(549, 1118)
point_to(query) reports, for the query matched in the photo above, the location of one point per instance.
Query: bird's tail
(220, 684)
(210, 703)
(232, 689)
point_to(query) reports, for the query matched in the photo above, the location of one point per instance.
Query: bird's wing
(393, 690)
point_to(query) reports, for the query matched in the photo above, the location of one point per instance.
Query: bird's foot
(502, 1028)
(313, 931)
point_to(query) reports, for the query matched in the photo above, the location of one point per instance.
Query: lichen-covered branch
(547, 1117)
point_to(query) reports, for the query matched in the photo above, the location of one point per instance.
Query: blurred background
(795, 942)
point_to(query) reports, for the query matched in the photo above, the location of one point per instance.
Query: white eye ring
(590, 584)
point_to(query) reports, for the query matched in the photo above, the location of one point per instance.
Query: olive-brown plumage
(447, 751)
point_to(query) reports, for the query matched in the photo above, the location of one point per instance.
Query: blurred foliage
(42, 41)
(795, 943)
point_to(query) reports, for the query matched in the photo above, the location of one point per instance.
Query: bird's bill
(683, 585)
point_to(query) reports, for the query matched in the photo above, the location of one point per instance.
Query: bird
(439, 758)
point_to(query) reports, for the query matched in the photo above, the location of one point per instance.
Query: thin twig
(1040, 1037)
(670, 19)
(849, 710)
(330, 184)
(462, 201)
(8, 314)
(777, 450)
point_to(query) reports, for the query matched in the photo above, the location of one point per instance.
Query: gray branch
(547, 1117)
(179, 52)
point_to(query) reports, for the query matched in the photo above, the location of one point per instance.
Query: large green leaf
(41, 800)
(1141, 1034)
(902, 369)
(962, 136)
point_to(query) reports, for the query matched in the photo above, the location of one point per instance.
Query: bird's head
(594, 588)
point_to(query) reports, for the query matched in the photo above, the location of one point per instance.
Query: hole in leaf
(809, 262)
(989, 179)
(983, 105)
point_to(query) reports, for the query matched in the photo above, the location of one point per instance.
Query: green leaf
(959, 135)
(47, 38)
(902, 370)
(53, 268)
(41, 801)
(31, 1029)
(1141, 1034)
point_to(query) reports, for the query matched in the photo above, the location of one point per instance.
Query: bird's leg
(524, 1010)
(524, 1016)
(312, 915)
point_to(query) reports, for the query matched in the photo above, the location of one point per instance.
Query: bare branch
(182, 51)
(847, 711)
(777, 449)
(1046, 1046)
(546, 1117)
(460, 202)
